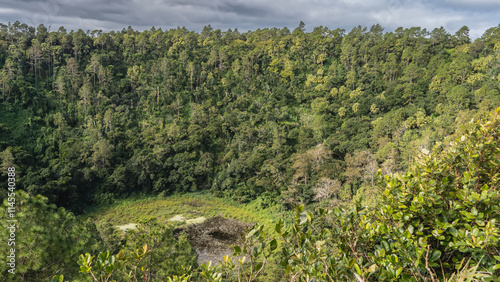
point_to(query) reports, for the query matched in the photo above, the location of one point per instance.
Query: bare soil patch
(127, 226)
(215, 237)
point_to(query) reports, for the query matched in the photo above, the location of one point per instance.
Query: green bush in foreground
(46, 240)
(444, 211)
(438, 221)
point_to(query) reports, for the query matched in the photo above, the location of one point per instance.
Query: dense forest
(90, 116)
(284, 117)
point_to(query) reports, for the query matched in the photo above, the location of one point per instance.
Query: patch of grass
(191, 206)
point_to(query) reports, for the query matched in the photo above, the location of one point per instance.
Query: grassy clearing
(199, 208)
(190, 207)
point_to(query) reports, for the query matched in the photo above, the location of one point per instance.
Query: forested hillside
(289, 116)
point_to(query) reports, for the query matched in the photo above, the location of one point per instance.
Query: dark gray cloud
(107, 15)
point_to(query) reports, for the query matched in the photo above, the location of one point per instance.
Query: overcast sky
(108, 15)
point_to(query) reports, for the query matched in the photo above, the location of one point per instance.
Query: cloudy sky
(107, 15)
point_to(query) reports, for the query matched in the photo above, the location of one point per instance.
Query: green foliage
(57, 278)
(168, 255)
(279, 116)
(166, 258)
(447, 202)
(132, 267)
(110, 237)
(438, 221)
(92, 117)
(47, 239)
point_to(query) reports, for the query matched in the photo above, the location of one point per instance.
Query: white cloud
(475, 3)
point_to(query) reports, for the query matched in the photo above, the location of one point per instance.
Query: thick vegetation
(286, 118)
(90, 116)
(437, 221)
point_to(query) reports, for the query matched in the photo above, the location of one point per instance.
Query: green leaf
(273, 245)
(475, 232)
(373, 268)
(422, 241)
(310, 216)
(109, 268)
(466, 176)
(382, 253)
(453, 231)
(251, 233)
(410, 229)
(104, 256)
(278, 226)
(237, 250)
(386, 245)
(474, 211)
(420, 199)
(351, 263)
(300, 208)
(435, 255)
(398, 272)
(358, 270)
(435, 233)
(85, 269)
(394, 259)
